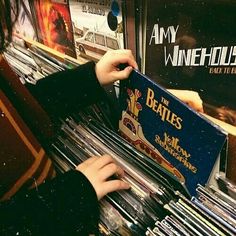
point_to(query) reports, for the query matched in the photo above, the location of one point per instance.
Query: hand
(191, 98)
(98, 170)
(107, 69)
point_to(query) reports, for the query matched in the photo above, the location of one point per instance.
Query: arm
(62, 92)
(65, 205)
(69, 202)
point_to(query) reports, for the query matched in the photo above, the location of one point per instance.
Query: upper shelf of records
(80, 29)
(32, 61)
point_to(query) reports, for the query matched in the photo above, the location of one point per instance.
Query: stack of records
(33, 64)
(211, 212)
(157, 203)
(128, 212)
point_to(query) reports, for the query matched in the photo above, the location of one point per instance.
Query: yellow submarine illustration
(131, 130)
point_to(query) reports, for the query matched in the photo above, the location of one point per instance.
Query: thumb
(123, 74)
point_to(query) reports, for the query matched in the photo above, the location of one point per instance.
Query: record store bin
(158, 202)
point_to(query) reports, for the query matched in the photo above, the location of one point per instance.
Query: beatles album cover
(54, 25)
(98, 27)
(169, 131)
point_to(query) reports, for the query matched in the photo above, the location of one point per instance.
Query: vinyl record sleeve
(97, 27)
(176, 225)
(24, 25)
(217, 201)
(214, 224)
(191, 45)
(217, 210)
(170, 132)
(171, 207)
(200, 223)
(220, 221)
(199, 216)
(170, 227)
(229, 201)
(54, 26)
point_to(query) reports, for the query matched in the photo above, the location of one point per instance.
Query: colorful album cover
(169, 131)
(54, 27)
(98, 27)
(24, 25)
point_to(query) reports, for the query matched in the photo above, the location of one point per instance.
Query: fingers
(191, 98)
(103, 161)
(91, 160)
(110, 170)
(107, 68)
(106, 166)
(115, 185)
(98, 170)
(124, 56)
(86, 163)
(197, 106)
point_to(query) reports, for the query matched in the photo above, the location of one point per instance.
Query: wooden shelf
(58, 55)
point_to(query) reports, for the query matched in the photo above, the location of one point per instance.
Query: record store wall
(186, 50)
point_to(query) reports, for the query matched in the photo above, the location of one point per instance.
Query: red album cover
(54, 25)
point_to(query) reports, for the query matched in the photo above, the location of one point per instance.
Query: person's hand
(98, 170)
(107, 69)
(191, 98)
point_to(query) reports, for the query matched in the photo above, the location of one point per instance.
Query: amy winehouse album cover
(169, 131)
(191, 45)
(54, 27)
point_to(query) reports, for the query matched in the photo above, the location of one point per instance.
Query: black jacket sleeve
(67, 91)
(67, 205)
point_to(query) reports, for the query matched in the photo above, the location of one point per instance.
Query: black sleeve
(65, 91)
(66, 205)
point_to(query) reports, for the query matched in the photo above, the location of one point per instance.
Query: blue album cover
(167, 130)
